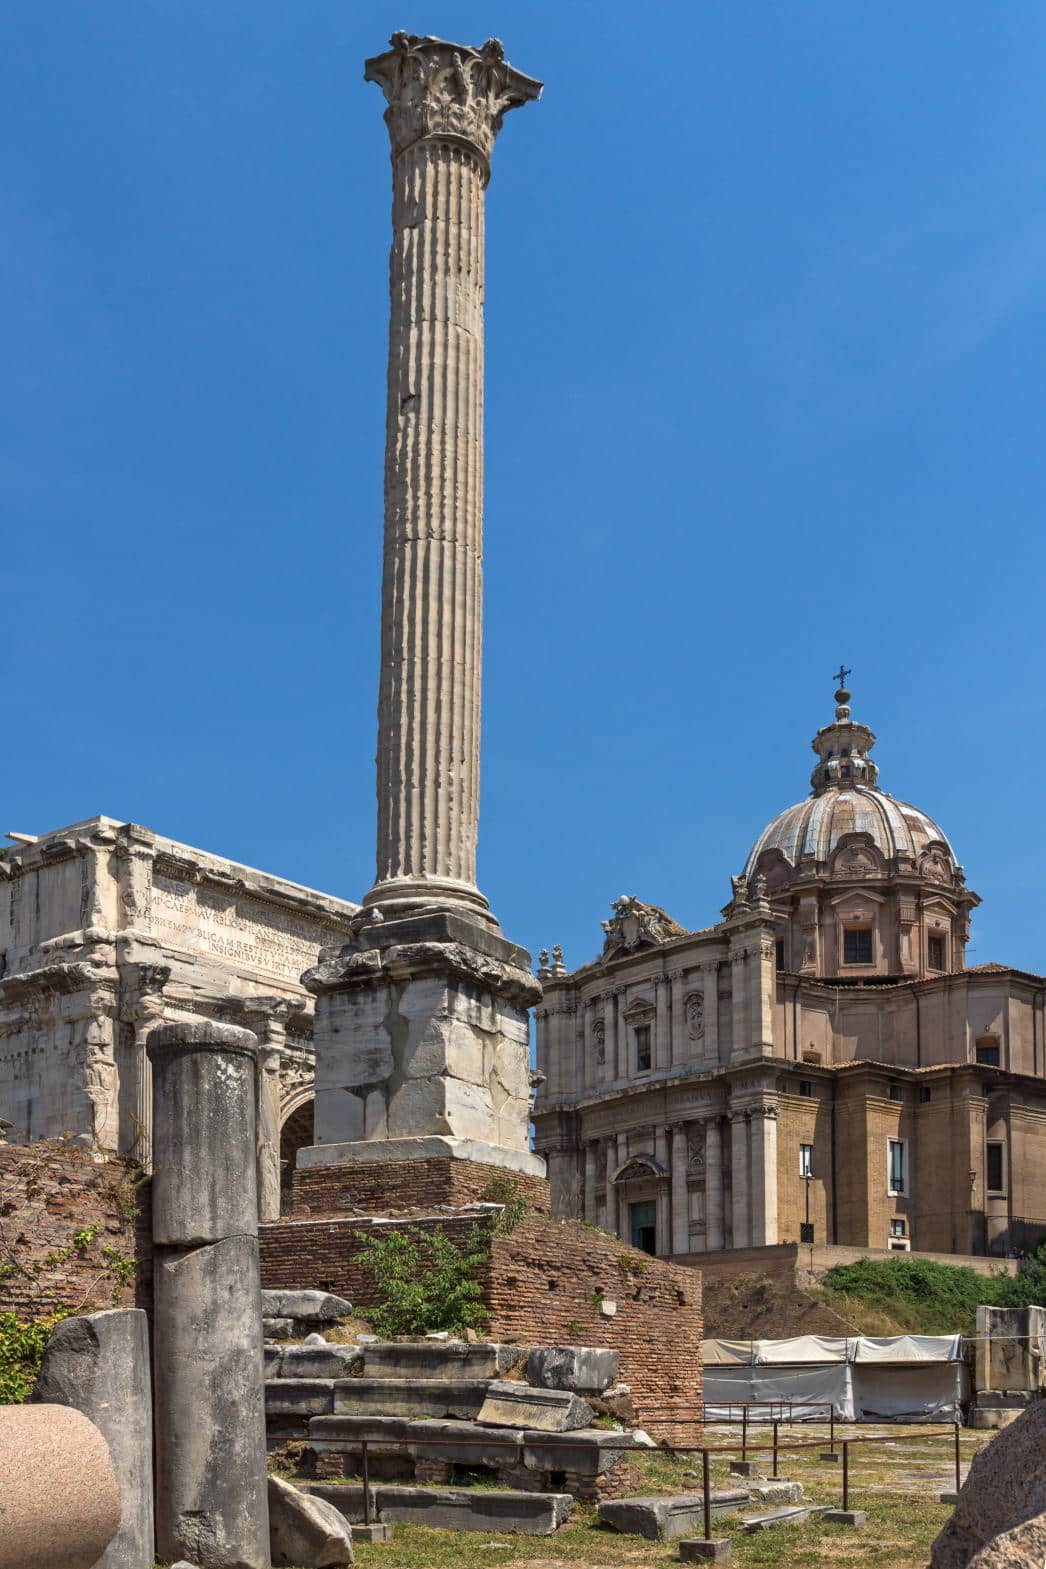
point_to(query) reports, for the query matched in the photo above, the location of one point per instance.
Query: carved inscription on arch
(238, 927)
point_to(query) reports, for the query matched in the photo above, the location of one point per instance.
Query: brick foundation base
(407, 1186)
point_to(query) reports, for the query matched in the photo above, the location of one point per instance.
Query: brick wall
(49, 1191)
(544, 1283)
(399, 1187)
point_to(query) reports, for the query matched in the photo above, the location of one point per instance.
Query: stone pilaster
(680, 1042)
(145, 1013)
(267, 1017)
(591, 1157)
(710, 1012)
(680, 1190)
(740, 1179)
(610, 1036)
(662, 1025)
(610, 1207)
(763, 1159)
(714, 1219)
(446, 104)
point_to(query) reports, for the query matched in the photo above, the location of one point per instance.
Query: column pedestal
(422, 1047)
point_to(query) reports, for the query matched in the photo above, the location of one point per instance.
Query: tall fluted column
(445, 107)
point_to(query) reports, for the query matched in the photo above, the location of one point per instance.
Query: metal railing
(563, 1441)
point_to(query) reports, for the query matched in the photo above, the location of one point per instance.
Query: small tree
(428, 1282)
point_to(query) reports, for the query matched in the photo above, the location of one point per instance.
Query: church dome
(815, 827)
(846, 800)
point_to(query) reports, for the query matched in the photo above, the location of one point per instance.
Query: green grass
(914, 1295)
(895, 1479)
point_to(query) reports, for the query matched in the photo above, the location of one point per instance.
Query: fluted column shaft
(446, 103)
(432, 597)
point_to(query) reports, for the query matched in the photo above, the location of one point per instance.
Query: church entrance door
(643, 1221)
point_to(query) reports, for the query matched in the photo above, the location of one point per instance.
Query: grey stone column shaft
(662, 1027)
(590, 1182)
(211, 1486)
(446, 104)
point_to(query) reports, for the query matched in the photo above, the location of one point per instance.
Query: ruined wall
(545, 1283)
(51, 1193)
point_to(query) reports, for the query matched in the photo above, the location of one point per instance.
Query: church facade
(819, 1066)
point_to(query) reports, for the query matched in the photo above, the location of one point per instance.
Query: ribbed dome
(815, 826)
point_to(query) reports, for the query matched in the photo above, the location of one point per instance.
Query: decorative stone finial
(439, 89)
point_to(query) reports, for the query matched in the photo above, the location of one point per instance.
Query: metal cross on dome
(841, 675)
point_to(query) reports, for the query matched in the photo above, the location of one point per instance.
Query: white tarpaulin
(802, 1348)
(905, 1348)
(897, 1378)
(807, 1389)
(916, 1392)
(728, 1353)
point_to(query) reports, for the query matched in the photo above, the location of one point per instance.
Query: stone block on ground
(776, 1491)
(854, 1517)
(584, 1370)
(99, 1364)
(376, 1531)
(306, 1532)
(322, 1361)
(589, 1450)
(475, 1509)
(278, 1328)
(1005, 1487)
(59, 1499)
(447, 1359)
(307, 1306)
(493, 1510)
(299, 1397)
(465, 1443)
(457, 1398)
(545, 1410)
(665, 1519)
(699, 1550)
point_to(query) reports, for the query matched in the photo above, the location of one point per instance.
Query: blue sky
(766, 290)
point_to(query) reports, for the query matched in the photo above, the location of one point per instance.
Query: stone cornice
(403, 962)
(445, 91)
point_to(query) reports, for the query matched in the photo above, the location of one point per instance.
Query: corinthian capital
(437, 89)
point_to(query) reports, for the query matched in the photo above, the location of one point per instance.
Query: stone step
(440, 1359)
(458, 1398)
(665, 1519)
(451, 1508)
(588, 1450)
(518, 1405)
(312, 1361)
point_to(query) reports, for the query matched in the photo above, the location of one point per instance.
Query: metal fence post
(846, 1473)
(706, 1489)
(744, 1432)
(958, 1479)
(365, 1469)
(774, 1472)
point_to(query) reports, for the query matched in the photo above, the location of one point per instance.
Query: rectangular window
(898, 1228)
(806, 1231)
(805, 1087)
(643, 1052)
(897, 1166)
(896, 1093)
(988, 1052)
(857, 946)
(779, 950)
(935, 953)
(996, 1181)
(925, 1094)
(806, 1160)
